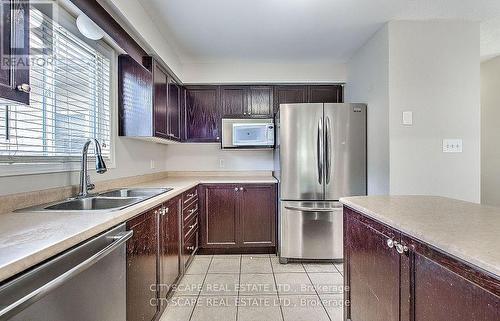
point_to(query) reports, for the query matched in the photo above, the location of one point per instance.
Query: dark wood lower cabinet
(420, 284)
(142, 256)
(219, 216)
(374, 269)
(238, 217)
(257, 215)
(169, 246)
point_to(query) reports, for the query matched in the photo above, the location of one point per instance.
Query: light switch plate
(453, 145)
(407, 118)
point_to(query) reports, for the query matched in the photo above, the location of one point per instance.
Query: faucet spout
(100, 166)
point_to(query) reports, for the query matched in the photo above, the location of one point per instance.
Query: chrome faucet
(100, 167)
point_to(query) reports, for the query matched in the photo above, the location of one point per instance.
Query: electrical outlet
(452, 145)
(407, 118)
(152, 164)
(221, 163)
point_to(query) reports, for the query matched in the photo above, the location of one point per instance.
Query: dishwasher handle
(119, 240)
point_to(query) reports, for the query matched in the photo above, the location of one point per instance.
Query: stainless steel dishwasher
(86, 283)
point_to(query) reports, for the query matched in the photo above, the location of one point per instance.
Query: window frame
(29, 165)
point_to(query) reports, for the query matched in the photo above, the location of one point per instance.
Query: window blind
(69, 99)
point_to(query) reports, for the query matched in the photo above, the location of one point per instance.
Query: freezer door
(301, 148)
(311, 230)
(345, 150)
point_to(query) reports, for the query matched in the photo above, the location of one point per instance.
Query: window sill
(21, 169)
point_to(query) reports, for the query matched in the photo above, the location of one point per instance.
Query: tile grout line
(238, 296)
(320, 300)
(202, 283)
(277, 292)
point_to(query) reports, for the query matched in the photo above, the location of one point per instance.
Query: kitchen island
(421, 258)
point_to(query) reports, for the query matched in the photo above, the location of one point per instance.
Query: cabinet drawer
(190, 210)
(191, 225)
(189, 196)
(190, 245)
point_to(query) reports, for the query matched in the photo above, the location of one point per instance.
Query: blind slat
(69, 101)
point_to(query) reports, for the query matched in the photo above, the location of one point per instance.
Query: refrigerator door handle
(328, 150)
(313, 209)
(319, 150)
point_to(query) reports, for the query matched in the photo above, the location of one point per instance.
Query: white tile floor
(256, 288)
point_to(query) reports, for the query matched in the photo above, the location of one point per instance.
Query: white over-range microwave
(247, 133)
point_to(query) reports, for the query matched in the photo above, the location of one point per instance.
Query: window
(70, 97)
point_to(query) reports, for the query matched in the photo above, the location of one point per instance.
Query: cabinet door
(169, 246)
(325, 94)
(173, 110)
(371, 271)
(14, 50)
(203, 117)
(160, 99)
(441, 294)
(260, 100)
(219, 216)
(135, 105)
(257, 215)
(289, 95)
(233, 100)
(142, 254)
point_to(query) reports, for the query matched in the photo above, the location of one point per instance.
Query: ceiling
(300, 31)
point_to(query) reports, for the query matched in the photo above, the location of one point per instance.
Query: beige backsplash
(9, 203)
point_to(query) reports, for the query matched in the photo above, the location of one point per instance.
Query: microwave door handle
(319, 150)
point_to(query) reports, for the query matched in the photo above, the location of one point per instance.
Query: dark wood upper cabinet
(233, 100)
(419, 282)
(135, 99)
(203, 115)
(142, 254)
(238, 216)
(257, 215)
(160, 101)
(325, 94)
(174, 109)
(289, 95)
(260, 100)
(14, 71)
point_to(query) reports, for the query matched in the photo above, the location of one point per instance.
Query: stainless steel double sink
(110, 200)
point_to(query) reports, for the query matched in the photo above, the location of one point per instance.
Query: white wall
(253, 72)
(368, 82)
(132, 157)
(139, 21)
(206, 157)
(432, 69)
(490, 132)
(434, 72)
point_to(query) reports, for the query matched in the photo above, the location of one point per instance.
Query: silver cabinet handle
(390, 243)
(401, 248)
(236, 189)
(190, 248)
(191, 226)
(11, 309)
(190, 195)
(241, 188)
(191, 211)
(25, 88)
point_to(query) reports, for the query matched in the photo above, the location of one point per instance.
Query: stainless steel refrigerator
(320, 157)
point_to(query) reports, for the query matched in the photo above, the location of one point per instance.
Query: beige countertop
(465, 230)
(28, 238)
